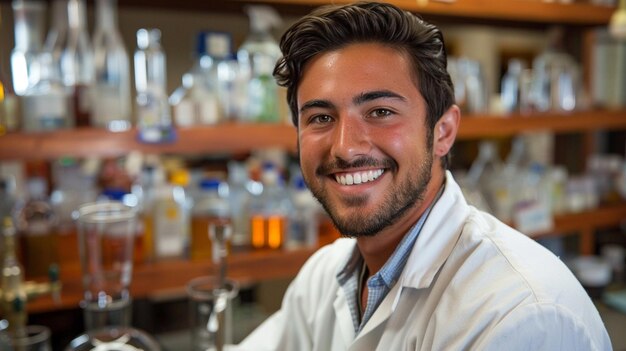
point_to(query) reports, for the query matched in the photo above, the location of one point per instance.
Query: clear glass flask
(154, 119)
(111, 91)
(70, 46)
(47, 105)
(29, 20)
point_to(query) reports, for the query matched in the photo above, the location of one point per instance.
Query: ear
(445, 131)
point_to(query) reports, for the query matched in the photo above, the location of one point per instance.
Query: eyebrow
(316, 104)
(357, 100)
(376, 94)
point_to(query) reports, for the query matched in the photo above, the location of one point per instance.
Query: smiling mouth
(356, 178)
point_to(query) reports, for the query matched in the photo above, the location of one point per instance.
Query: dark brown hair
(333, 27)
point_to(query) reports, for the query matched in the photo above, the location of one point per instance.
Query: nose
(350, 138)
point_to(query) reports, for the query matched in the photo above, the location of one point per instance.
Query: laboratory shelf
(228, 138)
(165, 280)
(484, 126)
(233, 138)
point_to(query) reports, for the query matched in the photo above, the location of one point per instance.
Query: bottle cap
(210, 184)
(180, 177)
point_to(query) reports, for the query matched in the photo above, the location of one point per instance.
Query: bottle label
(533, 218)
(169, 229)
(45, 112)
(209, 110)
(109, 105)
(183, 113)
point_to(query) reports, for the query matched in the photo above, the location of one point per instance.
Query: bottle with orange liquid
(150, 178)
(73, 187)
(37, 224)
(211, 210)
(269, 211)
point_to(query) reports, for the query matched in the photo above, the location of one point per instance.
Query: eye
(381, 113)
(320, 119)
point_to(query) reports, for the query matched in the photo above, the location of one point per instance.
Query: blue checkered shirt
(380, 283)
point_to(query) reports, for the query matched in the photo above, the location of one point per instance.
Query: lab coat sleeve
(291, 327)
(283, 330)
(543, 327)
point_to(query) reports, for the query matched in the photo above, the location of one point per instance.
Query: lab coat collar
(437, 238)
(432, 248)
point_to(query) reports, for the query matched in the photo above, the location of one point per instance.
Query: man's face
(362, 137)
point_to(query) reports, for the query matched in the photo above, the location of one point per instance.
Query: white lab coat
(470, 283)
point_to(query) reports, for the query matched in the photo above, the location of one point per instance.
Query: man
(421, 269)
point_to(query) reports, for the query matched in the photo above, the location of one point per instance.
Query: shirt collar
(391, 270)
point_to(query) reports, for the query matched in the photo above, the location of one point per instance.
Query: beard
(398, 200)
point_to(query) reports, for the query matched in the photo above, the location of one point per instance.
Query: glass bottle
(210, 212)
(111, 93)
(197, 100)
(511, 86)
(71, 49)
(13, 297)
(230, 86)
(224, 74)
(154, 120)
(257, 56)
(263, 93)
(72, 188)
(47, 105)
(556, 77)
(36, 223)
(483, 175)
(474, 81)
(7, 197)
(28, 17)
(150, 179)
(239, 196)
(9, 120)
(171, 217)
(9, 115)
(269, 212)
(304, 222)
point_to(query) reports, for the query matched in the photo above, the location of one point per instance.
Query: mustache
(365, 161)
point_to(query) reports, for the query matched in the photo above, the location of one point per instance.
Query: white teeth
(358, 177)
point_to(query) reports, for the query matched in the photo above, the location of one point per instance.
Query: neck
(377, 249)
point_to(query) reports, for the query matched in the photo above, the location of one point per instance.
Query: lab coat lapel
(381, 314)
(437, 237)
(344, 321)
(434, 243)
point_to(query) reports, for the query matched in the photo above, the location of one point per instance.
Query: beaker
(31, 338)
(106, 234)
(210, 307)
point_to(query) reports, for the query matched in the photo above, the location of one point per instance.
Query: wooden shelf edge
(485, 126)
(522, 11)
(89, 142)
(599, 218)
(232, 138)
(586, 223)
(153, 280)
